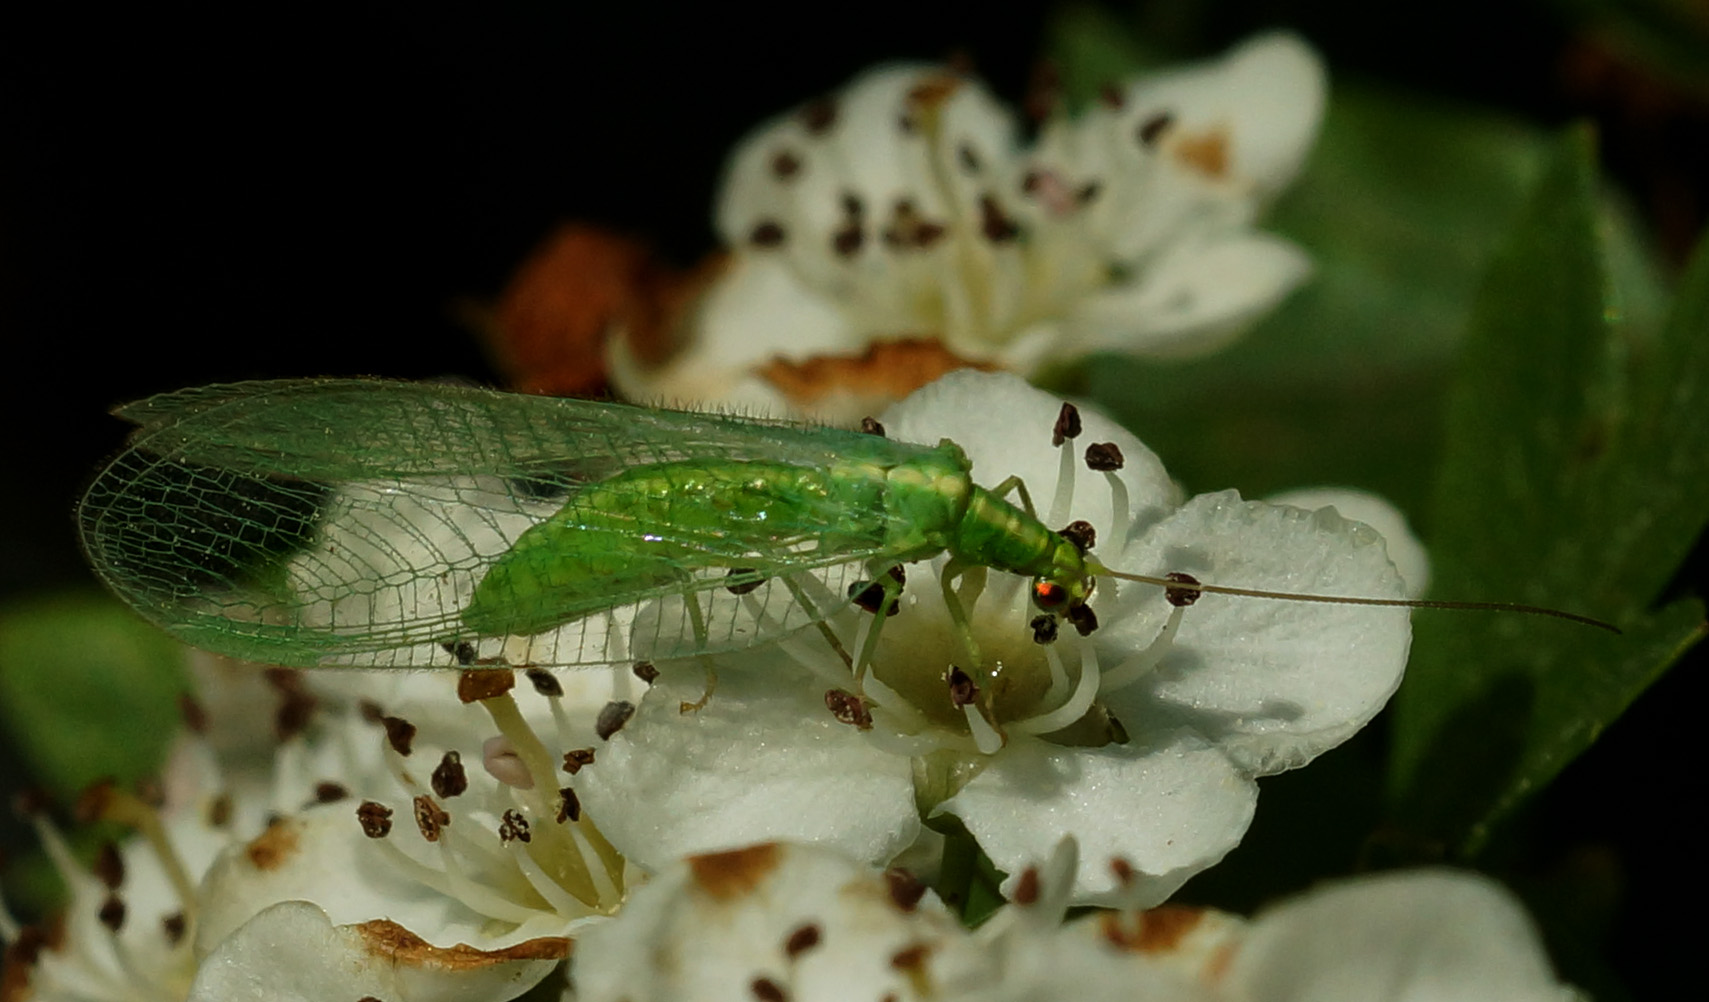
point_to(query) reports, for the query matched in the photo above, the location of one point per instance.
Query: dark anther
(766, 233)
(220, 810)
(804, 938)
(1081, 534)
(968, 158)
(909, 958)
(1088, 192)
(477, 684)
(997, 227)
(328, 792)
(195, 718)
(849, 709)
(645, 671)
(744, 587)
(1104, 457)
(767, 990)
(296, 709)
(400, 734)
(612, 718)
(1044, 628)
(449, 779)
(174, 926)
(1084, 620)
(513, 827)
(1111, 96)
(1067, 424)
(577, 758)
(544, 682)
(112, 913)
(430, 818)
(1152, 129)
(906, 890)
(569, 806)
(785, 164)
(1181, 597)
(962, 691)
(870, 426)
(376, 819)
(109, 866)
(1026, 889)
(868, 594)
(370, 711)
(819, 115)
(1123, 870)
(462, 650)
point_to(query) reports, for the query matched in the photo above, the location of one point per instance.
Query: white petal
(1194, 299)
(763, 760)
(1004, 425)
(293, 952)
(1267, 94)
(1169, 805)
(1431, 936)
(803, 918)
(1273, 682)
(1407, 552)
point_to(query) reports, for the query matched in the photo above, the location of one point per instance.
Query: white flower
(898, 230)
(449, 860)
(805, 923)
(1414, 936)
(1141, 739)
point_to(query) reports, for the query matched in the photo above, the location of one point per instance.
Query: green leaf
(1575, 475)
(1400, 206)
(87, 690)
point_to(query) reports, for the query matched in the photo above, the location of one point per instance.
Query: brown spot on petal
(112, 913)
(385, 938)
(727, 875)
(933, 90)
(1158, 930)
(400, 734)
(886, 371)
(994, 222)
(477, 684)
(1111, 96)
(767, 233)
(173, 927)
(785, 165)
(274, 847)
(910, 958)
(1206, 152)
(909, 230)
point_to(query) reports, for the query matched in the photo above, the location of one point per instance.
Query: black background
(188, 197)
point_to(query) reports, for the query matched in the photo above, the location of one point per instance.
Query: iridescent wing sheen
(348, 522)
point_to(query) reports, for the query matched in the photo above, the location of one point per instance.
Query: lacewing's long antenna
(1183, 589)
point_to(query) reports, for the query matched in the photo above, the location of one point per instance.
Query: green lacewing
(388, 524)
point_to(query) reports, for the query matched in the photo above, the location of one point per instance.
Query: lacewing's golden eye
(1049, 596)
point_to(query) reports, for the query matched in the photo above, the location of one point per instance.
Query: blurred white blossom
(898, 229)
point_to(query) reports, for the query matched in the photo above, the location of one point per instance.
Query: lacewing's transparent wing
(348, 522)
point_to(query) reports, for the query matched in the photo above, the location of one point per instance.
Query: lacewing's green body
(371, 523)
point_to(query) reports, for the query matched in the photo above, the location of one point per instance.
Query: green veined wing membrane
(350, 522)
